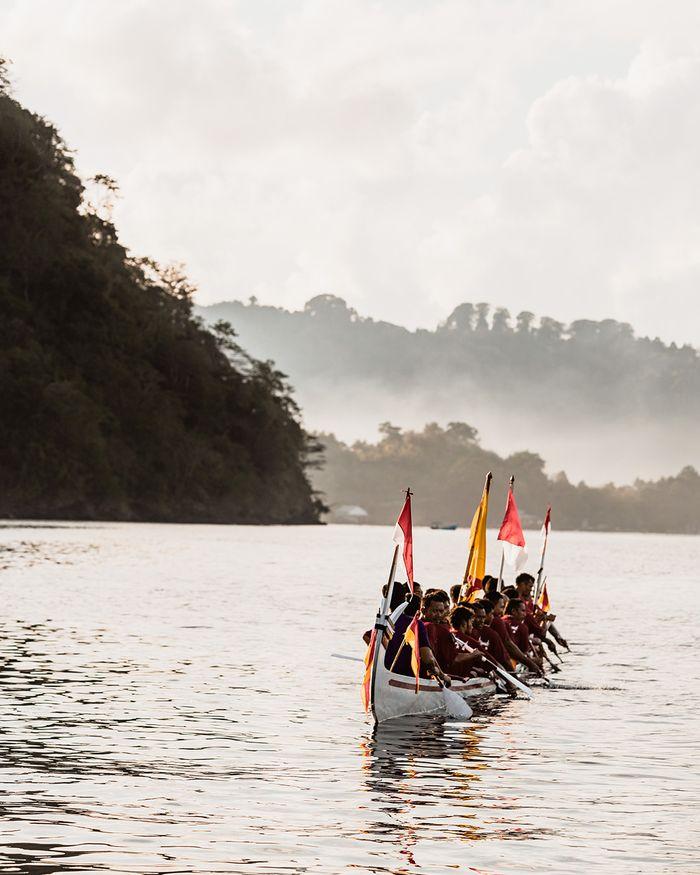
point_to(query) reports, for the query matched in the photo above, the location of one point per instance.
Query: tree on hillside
(461, 319)
(446, 466)
(482, 313)
(500, 323)
(122, 405)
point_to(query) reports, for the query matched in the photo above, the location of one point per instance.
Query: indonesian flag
(476, 560)
(411, 638)
(403, 534)
(511, 535)
(369, 657)
(543, 600)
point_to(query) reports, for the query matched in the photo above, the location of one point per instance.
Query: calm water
(169, 705)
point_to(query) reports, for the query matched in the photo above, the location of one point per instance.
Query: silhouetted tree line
(588, 369)
(117, 403)
(446, 467)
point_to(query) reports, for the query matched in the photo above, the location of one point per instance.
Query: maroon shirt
(500, 627)
(533, 627)
(519, 633)
(442, 643)
(490, 641)
(468, 639)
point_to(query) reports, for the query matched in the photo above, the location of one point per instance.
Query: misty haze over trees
(116, 403)
(445, 467)
(593, 398)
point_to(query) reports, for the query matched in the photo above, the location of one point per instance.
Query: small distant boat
(445, 527)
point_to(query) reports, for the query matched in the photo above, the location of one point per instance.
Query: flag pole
(380, 627)
(538, 585)
(380, 622)
(472, 546)
(503, 549)
(390, 586)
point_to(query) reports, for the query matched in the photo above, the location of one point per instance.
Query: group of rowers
(458, 639)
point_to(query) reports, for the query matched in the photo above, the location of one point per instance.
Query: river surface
(170, 705)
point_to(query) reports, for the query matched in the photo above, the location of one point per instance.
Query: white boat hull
(394, 695)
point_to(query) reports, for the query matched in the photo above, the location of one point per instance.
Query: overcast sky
(404, 155)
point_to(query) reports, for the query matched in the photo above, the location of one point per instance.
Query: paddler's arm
(516, 653)
(557, 636)
(467, 660)
(427, 659)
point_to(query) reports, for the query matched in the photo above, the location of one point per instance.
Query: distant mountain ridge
(590, 394)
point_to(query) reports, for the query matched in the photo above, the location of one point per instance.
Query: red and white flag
(547, 524)
(511, 535)
(403, 534)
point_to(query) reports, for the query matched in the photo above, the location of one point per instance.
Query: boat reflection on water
(431, 779)
(414, 766)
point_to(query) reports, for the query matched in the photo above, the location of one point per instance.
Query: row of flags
(510, 535)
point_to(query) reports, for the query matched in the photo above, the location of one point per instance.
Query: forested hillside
(445, 467)
(116, 403)
(592, 397)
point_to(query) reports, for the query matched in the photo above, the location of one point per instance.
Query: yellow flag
(411, 638)
(366, 678)
(476, 561)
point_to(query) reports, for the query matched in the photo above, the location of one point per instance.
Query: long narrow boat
(394, 695)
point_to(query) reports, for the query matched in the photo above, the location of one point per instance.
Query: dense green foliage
(446, 467)
(117, 404)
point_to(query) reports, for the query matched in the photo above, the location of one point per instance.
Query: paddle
(555, 667)
(504, 674)
(455, 704)
(512, 679)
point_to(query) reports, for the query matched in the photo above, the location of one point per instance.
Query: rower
(399, 595)
(490, 584)
(488, 639)
(429, 666)
(515, 620)
(436, 604)
(535, 618)
(462, 619)
(462, 624)
(545, 620)
(523, 585)
(499, 625)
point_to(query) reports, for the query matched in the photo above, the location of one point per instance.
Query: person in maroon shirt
(401, 664)
(462, 618)
(535, 618)
(523, 586)
(462, 625)
(488, 639)
(462, 628)
(500, 626)
(436, 605)
(515, 620)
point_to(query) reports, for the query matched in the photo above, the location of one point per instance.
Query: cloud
(406, 156)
